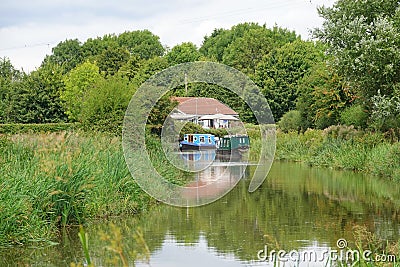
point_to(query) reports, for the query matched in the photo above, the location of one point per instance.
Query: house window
(202, 139)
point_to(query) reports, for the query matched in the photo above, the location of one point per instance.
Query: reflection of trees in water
(295, 206)
(295, 203)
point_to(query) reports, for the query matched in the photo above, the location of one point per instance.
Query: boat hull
(190, 147)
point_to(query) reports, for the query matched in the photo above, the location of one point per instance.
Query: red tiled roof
(202, 106)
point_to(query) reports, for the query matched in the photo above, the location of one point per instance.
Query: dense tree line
(349, 73)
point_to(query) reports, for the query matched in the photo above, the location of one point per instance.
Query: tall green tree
(185, 52)
(36, 99)
(67, 54)
(364, 39)
(92, 48)
(112, 59)
(105, 102)
(214, 46)
(280, 71)
(9, 78)
(141, 43)
(77, 82)
(323, 96)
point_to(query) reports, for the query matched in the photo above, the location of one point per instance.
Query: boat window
(209, 140)
(194, 138)
(202, 139)
(185, 138)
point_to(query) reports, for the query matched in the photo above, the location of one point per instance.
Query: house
(207, 112)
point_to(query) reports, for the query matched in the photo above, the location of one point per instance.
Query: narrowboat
(233, 144)
(197, 142)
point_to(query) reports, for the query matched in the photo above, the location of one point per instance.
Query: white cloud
(27, 39)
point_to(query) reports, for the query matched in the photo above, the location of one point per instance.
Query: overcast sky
(30, 28)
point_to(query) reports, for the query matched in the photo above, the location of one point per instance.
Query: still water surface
(298, 208)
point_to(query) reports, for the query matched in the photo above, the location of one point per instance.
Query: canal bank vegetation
(342, 147)
(51, 181)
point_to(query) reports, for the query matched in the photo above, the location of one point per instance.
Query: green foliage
(385, 110)
(15, 128)
(342, 147)
(244, 53)
(67, 54)
(159, 113)
(355, 115)
(112, 59)
(214, 45)
(131, 68)
(149, 68)
(190, 128)
(143, 44)
(280, 71)
(323, 95)
(9, 78)
(77, 82)
(36, 98)
(363, 37)
(92, 48)
(104, 104)
(185, 52)
(290, 121)
(60, 179)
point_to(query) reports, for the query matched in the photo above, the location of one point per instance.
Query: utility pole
(186, 86)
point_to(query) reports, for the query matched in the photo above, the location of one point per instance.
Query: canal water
(297, 210)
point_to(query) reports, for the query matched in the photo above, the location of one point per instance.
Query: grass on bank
(48, 181)
(342, 147)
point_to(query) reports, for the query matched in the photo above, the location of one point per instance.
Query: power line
(27, 46)
(280, 4)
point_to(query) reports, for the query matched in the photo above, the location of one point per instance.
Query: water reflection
(297, 207)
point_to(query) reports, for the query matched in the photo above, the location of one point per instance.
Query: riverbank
(342, 147)
(49, 181)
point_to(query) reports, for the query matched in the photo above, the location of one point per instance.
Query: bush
(290, 121)
(340, 132)
(354, 115)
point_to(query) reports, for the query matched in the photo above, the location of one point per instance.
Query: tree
(323, 96)
(105, 102)
(36, 99)
(92, 48)
(77, 82)
(67, 54)
(214, 46)
(112, 59)
(185, 52)
(363, 37)
(149, 68)
(144, 44)
(244, 53)
(279, 72)
(9, 78)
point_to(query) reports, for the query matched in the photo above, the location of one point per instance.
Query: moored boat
(233, 144)
(197, 142)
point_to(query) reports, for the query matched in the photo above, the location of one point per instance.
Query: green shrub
(354, 115)
(290, 121)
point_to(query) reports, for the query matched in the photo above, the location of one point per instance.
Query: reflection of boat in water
(208, 155)
(233, 146)
(197, 142)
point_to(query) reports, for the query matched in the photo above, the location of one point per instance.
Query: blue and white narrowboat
(197, 142)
